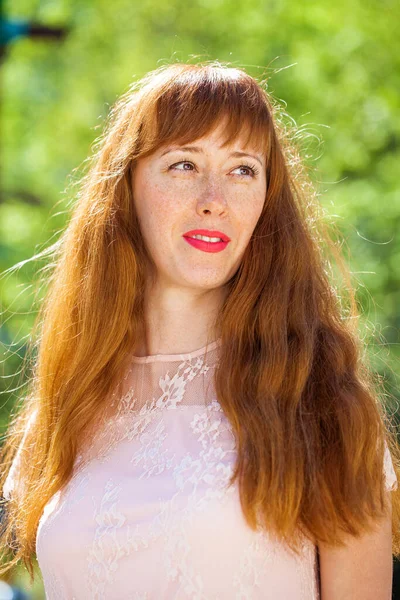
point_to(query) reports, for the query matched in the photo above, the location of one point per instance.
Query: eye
(182, 162)
(250, 168)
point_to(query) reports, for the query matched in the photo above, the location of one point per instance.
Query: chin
(208, 283)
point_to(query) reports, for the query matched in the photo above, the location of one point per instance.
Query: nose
(212, 197)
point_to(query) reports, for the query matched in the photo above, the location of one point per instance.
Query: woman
(200, 424)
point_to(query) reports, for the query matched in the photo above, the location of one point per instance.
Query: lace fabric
(149, 513)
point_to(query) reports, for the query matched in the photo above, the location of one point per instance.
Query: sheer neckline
(176, 357)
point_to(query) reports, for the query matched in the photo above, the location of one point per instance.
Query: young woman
(200, 423)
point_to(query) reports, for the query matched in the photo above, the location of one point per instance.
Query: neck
(178, 321)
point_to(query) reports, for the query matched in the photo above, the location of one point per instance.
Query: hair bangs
(198, 101)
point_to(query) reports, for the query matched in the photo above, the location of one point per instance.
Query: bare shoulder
(360, 570)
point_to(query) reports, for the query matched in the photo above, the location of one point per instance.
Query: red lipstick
(208, 233)
(204, 245)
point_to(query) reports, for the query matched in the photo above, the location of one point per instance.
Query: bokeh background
(334, 68)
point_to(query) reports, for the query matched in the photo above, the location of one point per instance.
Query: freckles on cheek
(163, 208)
(247, 213)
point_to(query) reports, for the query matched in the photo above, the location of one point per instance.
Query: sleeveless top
(148, 514)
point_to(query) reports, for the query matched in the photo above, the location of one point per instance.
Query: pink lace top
(148, 514)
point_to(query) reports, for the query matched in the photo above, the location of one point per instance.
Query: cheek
(158, 208)
(248, 210)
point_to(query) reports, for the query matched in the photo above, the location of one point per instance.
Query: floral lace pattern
(149, 512)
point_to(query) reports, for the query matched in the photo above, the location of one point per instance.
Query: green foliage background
(335, 65)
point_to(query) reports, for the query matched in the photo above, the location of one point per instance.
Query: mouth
(213, 235)
(206, 246)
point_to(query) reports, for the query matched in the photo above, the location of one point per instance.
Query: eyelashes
(254, 170)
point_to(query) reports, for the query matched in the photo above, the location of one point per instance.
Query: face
(206, 187)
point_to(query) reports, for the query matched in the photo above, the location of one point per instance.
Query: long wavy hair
(293, 380)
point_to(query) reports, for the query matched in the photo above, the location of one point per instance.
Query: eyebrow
(199, 150)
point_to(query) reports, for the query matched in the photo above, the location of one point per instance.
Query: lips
(208, 233)
(205, 246)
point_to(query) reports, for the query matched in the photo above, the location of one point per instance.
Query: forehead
(217, 138)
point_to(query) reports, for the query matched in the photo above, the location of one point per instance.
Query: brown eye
(252, 170)
(182, 162)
